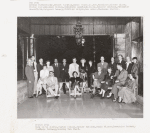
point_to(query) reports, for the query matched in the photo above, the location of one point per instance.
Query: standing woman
(134, 69)
(30, 78)
(49, 68)
(107, 82)
(35, 73)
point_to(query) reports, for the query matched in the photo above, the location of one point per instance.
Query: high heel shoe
(109, 95)
(114, 100)
(120, 101)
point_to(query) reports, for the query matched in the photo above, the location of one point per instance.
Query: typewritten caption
(48, 127)
(63, 7)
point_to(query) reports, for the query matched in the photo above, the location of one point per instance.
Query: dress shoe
(114, 100)
(31, 97)
(56, 97)
(109, 96)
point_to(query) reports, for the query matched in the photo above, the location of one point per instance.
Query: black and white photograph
(79, 67)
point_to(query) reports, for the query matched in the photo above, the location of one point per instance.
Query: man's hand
(29, 81)
(102, 81)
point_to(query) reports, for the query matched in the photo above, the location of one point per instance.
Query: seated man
(98, 78)
(41, 82)
(52, 85)
(75, 82)
(120, 81)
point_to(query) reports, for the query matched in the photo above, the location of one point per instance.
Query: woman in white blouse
(73, 67)
(49, 68)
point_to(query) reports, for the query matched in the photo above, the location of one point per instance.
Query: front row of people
(122, 83)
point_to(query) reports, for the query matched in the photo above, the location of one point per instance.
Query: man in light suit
(52, 84)
(73, 67)
(57, 67)
(103, 65)
(120, 81)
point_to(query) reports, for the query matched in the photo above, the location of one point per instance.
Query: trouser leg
(115, 89)
(64, 89)
(30, 88)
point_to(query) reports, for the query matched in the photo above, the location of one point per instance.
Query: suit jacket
(39, 68)
(123, 64)
(129, 68)
(52, 83)
(103, 67)
(64, 75)
(29, 73)
(57, 70)
(90, 70)
(113, 67)
(99, 77)
(122, 76)
(73, 68)
(134, 69)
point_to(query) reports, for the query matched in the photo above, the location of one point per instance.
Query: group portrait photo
(79, 67)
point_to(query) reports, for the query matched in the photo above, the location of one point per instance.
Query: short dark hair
(51, 71)
(120, 55)
(134, 58)
(119, 64)
(74, 73)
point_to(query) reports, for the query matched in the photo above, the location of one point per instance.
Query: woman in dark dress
(75, 83)
(108, 81)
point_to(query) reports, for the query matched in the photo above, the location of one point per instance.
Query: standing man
(120, 60)
(30, 78)
(64, 74)
(73, 67)
(128, 65)
(39, 67)
(103, 65)
(35, 74)
(57, 67)
(90, 72)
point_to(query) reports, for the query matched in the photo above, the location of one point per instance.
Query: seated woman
(52, 85)
(44, 73)
(98, 77)
(126, 93)
(108, 82)
(75, 82)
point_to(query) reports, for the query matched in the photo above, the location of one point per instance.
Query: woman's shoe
(114, 100)
(120, 101)
(109, 95)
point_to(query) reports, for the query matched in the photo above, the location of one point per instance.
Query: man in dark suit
(103, 65)
(120, 81)
(39, 67)
(30, 78)
(64, 75)
(128, 65)
(57, 67)
(90, 72)
(120, 60)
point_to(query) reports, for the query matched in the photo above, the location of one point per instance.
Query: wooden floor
(81, 107)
